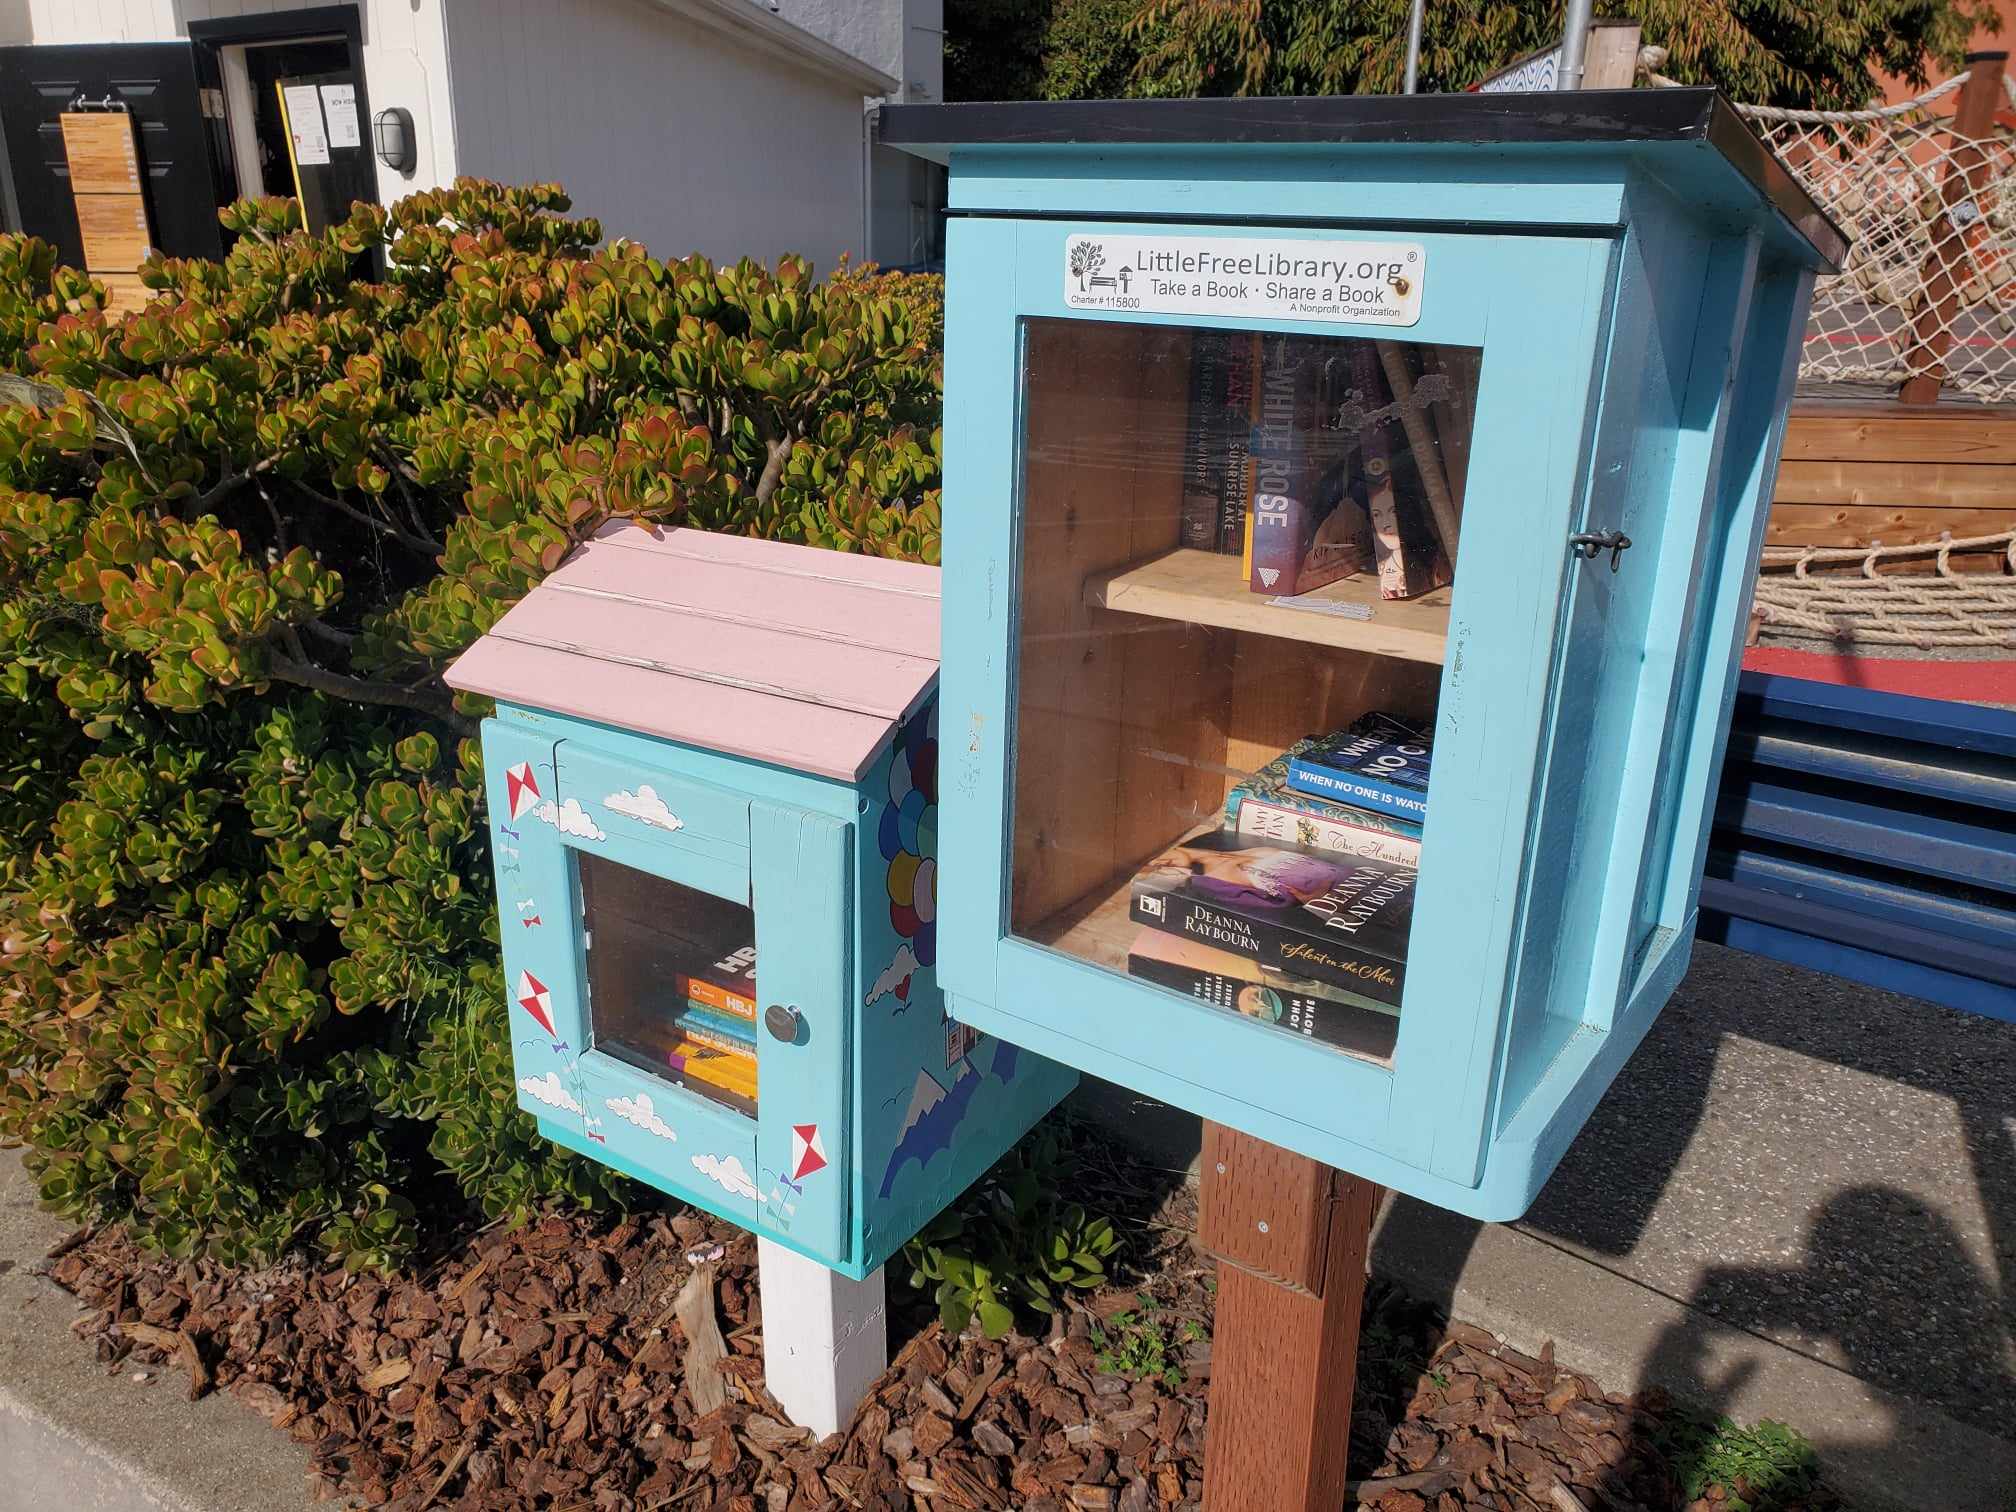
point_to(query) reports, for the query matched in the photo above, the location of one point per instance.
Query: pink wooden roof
(788, 654)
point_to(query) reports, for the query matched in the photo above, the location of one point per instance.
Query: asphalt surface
(1826, 1166)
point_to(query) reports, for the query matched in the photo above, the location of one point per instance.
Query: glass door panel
(671, 974)
(1236, 567)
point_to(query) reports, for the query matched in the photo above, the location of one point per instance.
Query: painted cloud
(896, 975)
(638, 1110)
(547, 1089)
(645, 806)
(570, 819)
(728, 1172)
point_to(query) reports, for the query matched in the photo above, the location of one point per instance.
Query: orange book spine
(716, 996)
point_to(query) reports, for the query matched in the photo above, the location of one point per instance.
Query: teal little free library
(712, 783)
(1351, 508)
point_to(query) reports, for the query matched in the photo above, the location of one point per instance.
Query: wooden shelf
(1206, 588)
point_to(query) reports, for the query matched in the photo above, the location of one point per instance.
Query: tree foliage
(1042, 49)
(248, 982)
(1768, 51)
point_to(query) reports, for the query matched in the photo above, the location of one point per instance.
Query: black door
(156, 82)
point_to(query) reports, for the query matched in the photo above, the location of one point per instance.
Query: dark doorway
(156, 83)
(292, 92)
(307, 129)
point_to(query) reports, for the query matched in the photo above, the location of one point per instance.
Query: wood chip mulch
(549, 1368)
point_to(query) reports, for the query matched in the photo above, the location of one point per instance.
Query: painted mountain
(936, 1111)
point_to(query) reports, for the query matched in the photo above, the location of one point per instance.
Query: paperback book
(717, 1030)
(1265, 806)
(728, 985)
(1379, 763)
(1241, 985)
(1342, 920)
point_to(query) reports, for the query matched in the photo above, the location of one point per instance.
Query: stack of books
(717, 1030)
(1294, 459)
(1360, 792)
(1305, 939)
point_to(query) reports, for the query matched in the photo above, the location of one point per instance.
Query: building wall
(405, 58)
(673, 133)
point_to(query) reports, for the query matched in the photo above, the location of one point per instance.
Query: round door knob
(782, 1021)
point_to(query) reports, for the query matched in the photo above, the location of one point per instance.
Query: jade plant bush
(248, 985)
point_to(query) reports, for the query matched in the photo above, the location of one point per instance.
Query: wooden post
(1946, 265)
(1290, 1237)
(825, 1338)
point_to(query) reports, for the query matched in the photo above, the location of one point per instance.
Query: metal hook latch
(1587, 545)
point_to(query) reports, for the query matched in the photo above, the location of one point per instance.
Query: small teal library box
(713, 794)
(1351, 508)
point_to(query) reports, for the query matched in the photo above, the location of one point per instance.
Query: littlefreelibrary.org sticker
(1269, 278)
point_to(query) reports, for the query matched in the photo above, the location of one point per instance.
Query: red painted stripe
(1954, 681)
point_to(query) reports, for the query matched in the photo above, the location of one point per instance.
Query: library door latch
(1589, 545)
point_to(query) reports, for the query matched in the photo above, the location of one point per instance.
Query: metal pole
(1574, 43)
(1413, 46)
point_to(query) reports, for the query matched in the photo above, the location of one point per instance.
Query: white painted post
(825, 1338)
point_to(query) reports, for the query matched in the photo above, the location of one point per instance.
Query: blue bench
(1871, 836)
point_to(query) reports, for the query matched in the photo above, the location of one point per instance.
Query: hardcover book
(1205, 457)
(1343, 920)
(1379, 763)
(1265, 806)
(1307, 529)
(1241, 985)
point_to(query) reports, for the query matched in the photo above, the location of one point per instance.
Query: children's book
(1379, 763)
(1265, 806)
(1343, 920)
(728, 985)
(1241, 985)
(717, 1031)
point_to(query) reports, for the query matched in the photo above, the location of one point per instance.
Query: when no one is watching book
(1379, 763)
(1338, 919)
(1313, 1010)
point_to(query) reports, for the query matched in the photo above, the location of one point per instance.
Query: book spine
(722, 999)
(714, 1040)
(1303, 536)
(1363, 972)
(701, 1016)
(1323, 825)
(735, 1074)
(1204, 457)
(1361, 1027)
(1389, 550)
(1351, 788)
(1235, 486)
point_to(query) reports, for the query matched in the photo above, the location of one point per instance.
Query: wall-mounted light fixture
(393, 129)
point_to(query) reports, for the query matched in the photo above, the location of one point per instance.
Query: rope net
(1930, 285)
(1944, 607)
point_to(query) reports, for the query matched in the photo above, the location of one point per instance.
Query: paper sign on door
(304, 122)
(339, 103)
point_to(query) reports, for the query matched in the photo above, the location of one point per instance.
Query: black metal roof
(1589, 118)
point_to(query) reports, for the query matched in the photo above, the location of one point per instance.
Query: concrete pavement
(1797, 1202)
(72, 1437)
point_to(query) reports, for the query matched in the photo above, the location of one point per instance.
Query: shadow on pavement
(1830, 1168)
